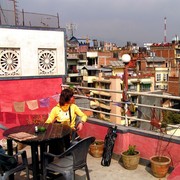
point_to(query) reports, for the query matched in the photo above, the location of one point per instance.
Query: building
(31, 69)
(171, 53)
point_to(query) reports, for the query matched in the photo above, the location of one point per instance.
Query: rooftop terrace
(97, 171)
(146, 140)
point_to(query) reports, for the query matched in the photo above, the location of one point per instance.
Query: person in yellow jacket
(66, 112)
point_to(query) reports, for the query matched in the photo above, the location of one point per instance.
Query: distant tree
(171, 117)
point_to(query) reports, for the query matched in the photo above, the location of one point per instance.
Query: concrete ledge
(124, 129)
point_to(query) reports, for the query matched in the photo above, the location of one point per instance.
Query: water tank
(102, 43)
(128, 43)
(95, 43)
(142, 49)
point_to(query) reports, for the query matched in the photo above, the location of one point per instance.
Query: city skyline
(112, 21)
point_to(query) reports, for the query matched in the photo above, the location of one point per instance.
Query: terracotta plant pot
(130, 161)
(96, 148)
(160, 165)
(20, 146)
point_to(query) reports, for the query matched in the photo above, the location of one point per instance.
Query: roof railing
(82, 95)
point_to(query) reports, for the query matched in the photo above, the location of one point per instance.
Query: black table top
(53, 131)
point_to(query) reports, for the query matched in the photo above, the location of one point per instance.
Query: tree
(171, 117)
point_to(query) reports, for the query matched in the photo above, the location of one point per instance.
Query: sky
(116, 21)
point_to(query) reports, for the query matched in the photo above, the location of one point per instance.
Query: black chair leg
(87, 172)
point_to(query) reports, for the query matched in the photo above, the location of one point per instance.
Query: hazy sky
(118, 21)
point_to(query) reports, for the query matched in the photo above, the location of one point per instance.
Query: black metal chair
(4, 141)
(13, 166)
(69, 161)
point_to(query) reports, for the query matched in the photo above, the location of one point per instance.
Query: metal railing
(8, 17)
(80, 94)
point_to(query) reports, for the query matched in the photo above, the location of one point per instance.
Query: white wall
(28, 43)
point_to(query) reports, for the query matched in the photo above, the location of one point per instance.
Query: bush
(171, 117)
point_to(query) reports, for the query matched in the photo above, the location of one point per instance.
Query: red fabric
(36, 118)
(1, 117)
(23, 119)
(6, 107)
(44, 117)
(10, 118)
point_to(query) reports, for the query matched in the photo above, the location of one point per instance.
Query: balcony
(138, 131)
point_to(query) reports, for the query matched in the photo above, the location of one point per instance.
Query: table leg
(35, 162)
(10, 152)
(43, 148)
(9, 147)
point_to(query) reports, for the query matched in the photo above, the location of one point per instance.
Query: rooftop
(97, 171)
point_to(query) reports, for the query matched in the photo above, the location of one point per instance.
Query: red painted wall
(25, 90)
(146, 145)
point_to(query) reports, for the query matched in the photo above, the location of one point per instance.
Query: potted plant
(130, 157)
(160, 163)
(96, 148)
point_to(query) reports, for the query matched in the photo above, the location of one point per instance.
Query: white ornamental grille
(47, 62)
(9, 62)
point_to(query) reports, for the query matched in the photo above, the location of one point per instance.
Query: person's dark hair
(65, 96)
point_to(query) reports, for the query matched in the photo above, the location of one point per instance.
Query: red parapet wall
(16, 96)
(147, 146)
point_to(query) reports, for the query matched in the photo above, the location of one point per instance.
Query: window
(165, 77)
(145, 87)
(10, 62)
(158, 77)
(132, 87)
(115, 55)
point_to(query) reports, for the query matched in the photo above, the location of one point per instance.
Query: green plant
(98, 142)
(131, 150)
(164, 124)
(171, 117)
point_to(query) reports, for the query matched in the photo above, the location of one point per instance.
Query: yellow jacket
(61, 114)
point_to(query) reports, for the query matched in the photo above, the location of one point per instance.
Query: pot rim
(122, 153)
(99, 143)
(168, 158)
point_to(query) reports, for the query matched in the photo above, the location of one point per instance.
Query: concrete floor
(98, 172)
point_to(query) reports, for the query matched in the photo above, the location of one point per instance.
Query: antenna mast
(71, 27)
(15, 12)
(1, 12)
(165, 30)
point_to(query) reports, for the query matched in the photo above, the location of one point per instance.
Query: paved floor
(98, 172)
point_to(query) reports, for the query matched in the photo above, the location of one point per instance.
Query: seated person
(66, 112)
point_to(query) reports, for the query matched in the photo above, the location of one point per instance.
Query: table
(53, 132)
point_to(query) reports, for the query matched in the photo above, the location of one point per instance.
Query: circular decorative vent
(9, 61)
(46, 61)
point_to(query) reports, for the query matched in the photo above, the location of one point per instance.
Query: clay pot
(96, 148)
(130, 161)
(20, 146)
(160, 165)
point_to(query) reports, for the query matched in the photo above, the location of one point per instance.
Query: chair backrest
(80, 151)
(9, 165)
(7, 162)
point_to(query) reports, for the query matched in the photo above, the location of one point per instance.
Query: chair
(69, 161)
(17, 166)
(3, 142)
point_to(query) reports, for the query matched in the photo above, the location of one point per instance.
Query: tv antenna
(15, 12)
(1, 12)
(71, 28)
